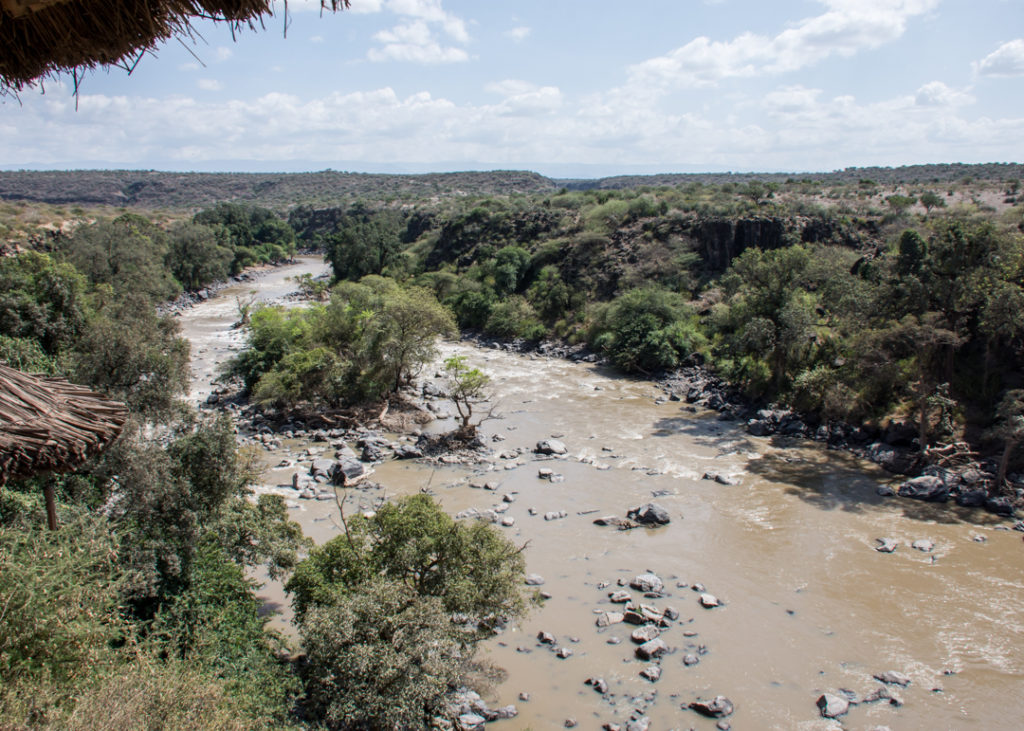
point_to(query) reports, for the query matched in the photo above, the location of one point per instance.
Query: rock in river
(886, 545)
(892, 677)
(926, 487)
(550, 446)
(649, 514)
(709, 601)
(717, 707)
(832, 706)
(651, 650)
(647, 583)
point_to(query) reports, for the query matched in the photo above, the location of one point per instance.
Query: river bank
(807, 606)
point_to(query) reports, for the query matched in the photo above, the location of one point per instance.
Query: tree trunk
(922, 427)
(1004, 462)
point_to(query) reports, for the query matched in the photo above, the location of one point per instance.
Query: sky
(567, 88)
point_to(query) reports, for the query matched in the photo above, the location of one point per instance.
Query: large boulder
(972, 498)
(550, 446)
(717, 707)
(926, 487)
(892, 459)
(649, 514)
(999, 506)
(651, 650)
(322, 469)
(348, 471)
(760, 428)
(832, 706)
(647, 583)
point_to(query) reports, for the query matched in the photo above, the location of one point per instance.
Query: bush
(380, 658)
(647, 330)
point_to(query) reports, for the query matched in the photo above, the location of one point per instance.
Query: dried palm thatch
(39, 38)
(50, 425)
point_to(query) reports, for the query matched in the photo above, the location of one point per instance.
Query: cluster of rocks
(892, 447)
(635, 606)
(965, 487)
(467, 711)
(835, 705)
(579, 353)
(696, 386)
(186, 300)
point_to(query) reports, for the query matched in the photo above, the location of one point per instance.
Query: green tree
(379, 659)
(127, 253)
(132, 354)
(196, 256)
(412, 320)
(930, 199)
(646, 330)
(467, 388)
(42, 300)
(473, 569)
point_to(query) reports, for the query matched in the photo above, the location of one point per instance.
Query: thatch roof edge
(41, 40)
(50, 425)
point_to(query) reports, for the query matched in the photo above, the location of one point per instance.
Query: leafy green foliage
(42, 300)
(379, 659)
(474, 570)
(466, 387)
(127, 253)
(196, 256)
(59, 594)
(366, 342)
(133, 354)
(647, 330)
(377, 609)
(254, 234)
(215, 624)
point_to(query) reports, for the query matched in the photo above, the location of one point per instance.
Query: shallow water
(809, 605)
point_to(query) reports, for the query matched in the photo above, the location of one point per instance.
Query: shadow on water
(838, 480)
(705, 431)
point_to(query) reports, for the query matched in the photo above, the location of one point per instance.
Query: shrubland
(860, 298)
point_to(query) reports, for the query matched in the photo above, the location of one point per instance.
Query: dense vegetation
(861, 300)
(139, 611)
(857, 302)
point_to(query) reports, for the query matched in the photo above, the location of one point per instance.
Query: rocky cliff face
(720, 240)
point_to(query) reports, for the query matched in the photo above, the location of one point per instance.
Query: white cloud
(190, 66)
(413, 42)
(1007, 60)
(522, 98)
(937, 94)
(417, 37)
(846, 27)
(223, 53)
(210, 85)
(316, 39)
(518, 34)
(788, 128)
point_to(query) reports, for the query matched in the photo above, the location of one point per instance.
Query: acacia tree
(466, 388)
(930, 199)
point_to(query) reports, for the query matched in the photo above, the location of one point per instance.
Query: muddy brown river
(808, 605)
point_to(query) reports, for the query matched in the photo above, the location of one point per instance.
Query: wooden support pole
(51, 505)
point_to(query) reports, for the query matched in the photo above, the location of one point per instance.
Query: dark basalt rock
(717, 707)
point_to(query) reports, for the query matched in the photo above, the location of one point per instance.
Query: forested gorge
(857, 302)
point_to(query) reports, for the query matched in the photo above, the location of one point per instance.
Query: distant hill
(154, 189)
(909, 174)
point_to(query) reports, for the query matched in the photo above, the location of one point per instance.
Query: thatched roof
(50, 425)
(39, 38)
